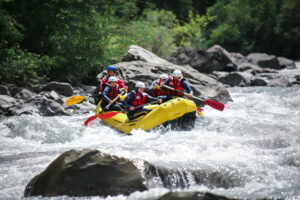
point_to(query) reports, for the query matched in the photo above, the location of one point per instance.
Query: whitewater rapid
(254, 145)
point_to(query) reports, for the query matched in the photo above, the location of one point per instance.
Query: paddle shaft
(113, 101)
(182, 92)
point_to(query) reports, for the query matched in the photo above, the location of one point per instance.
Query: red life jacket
(113, 92)
(176, 84)
(138, 99)
(158, 92)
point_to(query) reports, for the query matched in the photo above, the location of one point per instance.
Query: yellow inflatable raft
(179, 112)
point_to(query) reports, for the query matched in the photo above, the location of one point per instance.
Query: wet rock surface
(142, 65)
(87, 173)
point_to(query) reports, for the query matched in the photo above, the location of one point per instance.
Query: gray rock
(279, 82)
(248, 66)
(48, 107)
(223, 57)
(264, 60)
(239, 79)
(192, 196)
(4, 90)
(7, 102)
(147, 72)
(297, 77)
(89, 89)
(21, 109)
(87, 173)
(286, 63)
(258, 82)
(25, 95)
(239, 57)
(214, 59)
(62, 88)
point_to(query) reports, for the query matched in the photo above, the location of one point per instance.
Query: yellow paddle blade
(98, 108)
(74, 100)
(122, 97)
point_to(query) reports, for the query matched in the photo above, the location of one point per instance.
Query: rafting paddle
(214, 104)
(105, 115)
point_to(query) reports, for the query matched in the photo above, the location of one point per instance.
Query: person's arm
(186, 86)
(121, 84)
(105, 92)
(152, 85)
(128, 99)
(166, 81)
(149, 97)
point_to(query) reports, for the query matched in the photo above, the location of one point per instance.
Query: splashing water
(250, 150)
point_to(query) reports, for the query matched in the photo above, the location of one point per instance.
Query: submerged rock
(192, 196)
(87, 173)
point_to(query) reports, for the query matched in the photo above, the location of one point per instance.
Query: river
(254, 144)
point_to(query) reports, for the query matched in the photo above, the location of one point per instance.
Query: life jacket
(113, 92)
(138, 99)
(176, 84)
(158, 92)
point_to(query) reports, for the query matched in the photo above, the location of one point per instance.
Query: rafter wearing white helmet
(112, 79)
(177, 73)
(163, 76)
(139, 85)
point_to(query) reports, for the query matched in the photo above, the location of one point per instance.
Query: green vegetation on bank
(74, 39)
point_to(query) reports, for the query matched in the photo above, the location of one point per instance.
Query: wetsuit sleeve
(105, 92)
(166, 82)
(152, 85)
(151, 98)
(128, 100)
(186, 86)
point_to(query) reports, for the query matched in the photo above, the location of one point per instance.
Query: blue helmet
(112, 67)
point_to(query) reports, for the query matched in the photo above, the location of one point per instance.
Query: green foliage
(189, 33)
(18, 66)
(263, 26)
(153, 31)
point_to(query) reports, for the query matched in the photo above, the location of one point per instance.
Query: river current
(254, 144)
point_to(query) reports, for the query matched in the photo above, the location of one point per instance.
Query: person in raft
(156, 86)
(135, 100)
(177, 82)
(111, 71)
(110, 92)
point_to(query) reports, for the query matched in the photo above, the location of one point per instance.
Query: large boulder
(286, 63)
(240, 79)
(87, 173)
(6, 102)
(264, 60)
(142, 65)
(215, 58)
(62, 88)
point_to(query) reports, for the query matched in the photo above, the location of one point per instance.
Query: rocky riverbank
(234, 69)
(208, 72)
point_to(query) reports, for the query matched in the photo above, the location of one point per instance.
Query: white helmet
(112, 79)
(139, 85)
(163, 76)
(177, 73)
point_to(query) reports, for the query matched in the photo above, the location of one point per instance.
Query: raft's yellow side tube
(160, 114)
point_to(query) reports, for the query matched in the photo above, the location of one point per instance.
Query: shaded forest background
(72, 40)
